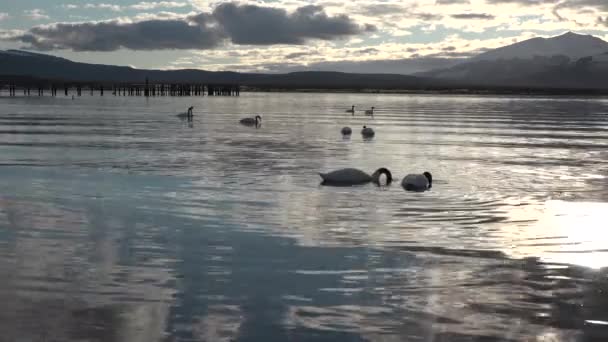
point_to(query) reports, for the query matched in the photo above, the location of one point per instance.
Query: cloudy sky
(282, 35)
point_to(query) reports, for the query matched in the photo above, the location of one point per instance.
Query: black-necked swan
(187, 114)
(417, 182)
(352, 110)
(370, 111)
(350, 176)
(367, 132)
(256, 121)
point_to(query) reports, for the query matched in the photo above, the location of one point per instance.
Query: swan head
(429, 177)
(376, 176)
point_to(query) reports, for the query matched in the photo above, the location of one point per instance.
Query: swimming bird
(346, 131)
(352, 110)
(417, 182)
(370, 111)
(367, 132)
(350, 176)
(256, 121)
(187, 114)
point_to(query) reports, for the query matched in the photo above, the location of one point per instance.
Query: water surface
(120, 222)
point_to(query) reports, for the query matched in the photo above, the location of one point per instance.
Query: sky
(287, 35)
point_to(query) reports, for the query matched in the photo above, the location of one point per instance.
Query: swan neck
(379, 172)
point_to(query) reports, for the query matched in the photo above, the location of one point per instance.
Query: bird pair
(351, 176)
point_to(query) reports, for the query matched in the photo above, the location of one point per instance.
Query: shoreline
(447, 91)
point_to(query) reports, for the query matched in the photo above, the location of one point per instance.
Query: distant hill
(22, 63)
(566, 61)
(572, 45)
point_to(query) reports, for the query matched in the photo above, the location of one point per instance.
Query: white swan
(256, 121)
(367, 132)
(350, 176)
(352, 110)
(370, 111)
(346, 131)
(417, 182)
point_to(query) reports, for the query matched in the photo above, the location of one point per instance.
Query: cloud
(452, 2)
(255, 25)
(483, 16)
(113, 35)
(240, 24)
(160, 4)
(115, 8)
(36, 14)
(3, 15)
(296, 55)
(141, 6)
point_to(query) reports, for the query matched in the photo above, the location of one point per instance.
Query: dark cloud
(426, 16)
(482, 16)
(241, 24)
(367, 51)
(249, 24)
(110, 36)
(296, 55)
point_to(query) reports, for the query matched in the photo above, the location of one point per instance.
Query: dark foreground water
(119, 222)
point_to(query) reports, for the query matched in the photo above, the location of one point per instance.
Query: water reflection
(138, 227)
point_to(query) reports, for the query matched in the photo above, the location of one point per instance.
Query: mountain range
(568, 61)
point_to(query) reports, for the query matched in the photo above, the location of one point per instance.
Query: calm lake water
(119, 222)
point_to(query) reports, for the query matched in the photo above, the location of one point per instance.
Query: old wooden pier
(117, 89)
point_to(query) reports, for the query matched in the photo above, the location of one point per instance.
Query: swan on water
(350, 176)
(367, 132)
(417, 182)
(251, 121)
(370, 111)
(352, 110)
(346, 131)
(187, 114)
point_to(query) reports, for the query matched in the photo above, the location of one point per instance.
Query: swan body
(346, 131)
(350, 176)
(367, 132)
(417, 182)
(251, 121)
(370, 111)
(352, 110)
(187, 114)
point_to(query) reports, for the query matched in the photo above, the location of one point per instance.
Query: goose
(346, 131)
(256, 121)
(367, 132)
(350, 176)
(370, 111)
(417, 182)
(352, 110)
